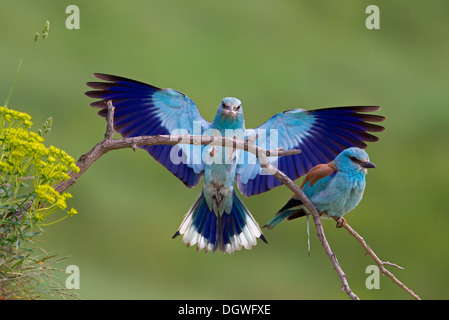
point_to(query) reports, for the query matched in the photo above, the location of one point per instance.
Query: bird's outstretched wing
(142, 109)
(320, 134)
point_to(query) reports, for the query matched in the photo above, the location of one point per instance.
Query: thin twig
(379, 262)
(319, 228)
(109, 122)
(106, 145)
(6, 185)
(109, 144)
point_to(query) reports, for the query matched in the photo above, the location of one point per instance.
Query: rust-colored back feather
(319, 172)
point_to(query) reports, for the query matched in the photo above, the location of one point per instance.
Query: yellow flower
(74, 167)
(9, 114)
(61, 203)
(72, 212)
(67, 195)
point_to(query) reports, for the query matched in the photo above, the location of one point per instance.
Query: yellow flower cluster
(9, 115)
(23, 154)
(21, 148)
(46, 193)
(49, 194)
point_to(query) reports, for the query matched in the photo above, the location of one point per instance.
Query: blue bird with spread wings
(218, 219)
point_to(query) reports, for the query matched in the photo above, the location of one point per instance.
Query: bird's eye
(238, 107)
(354, 159)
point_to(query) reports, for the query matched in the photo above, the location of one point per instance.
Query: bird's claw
(340, 222)
(212, 153)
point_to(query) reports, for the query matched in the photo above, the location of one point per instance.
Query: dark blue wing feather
(320, 135)
(141, 109)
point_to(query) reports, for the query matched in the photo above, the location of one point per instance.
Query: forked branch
(109, 144)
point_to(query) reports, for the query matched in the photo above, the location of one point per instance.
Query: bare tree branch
(320, 232)
(109, 134)
(109, 144)
(379, 262)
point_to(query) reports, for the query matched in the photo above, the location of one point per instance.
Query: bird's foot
(212, 153)
(340, 222)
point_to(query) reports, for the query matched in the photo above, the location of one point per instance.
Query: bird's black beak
(367, 165)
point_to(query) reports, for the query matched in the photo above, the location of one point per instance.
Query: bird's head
(353, 159)
(229, 114)
(231, 107)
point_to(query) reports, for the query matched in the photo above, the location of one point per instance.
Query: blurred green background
(272, 55)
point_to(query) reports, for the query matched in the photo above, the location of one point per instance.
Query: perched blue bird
(218, 218)
(335, 188)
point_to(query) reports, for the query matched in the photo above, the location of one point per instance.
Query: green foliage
(28, 171)
(30, 276)
(28, 201)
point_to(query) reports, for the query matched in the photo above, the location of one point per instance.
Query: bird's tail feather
(294, 208)
(229, 232)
